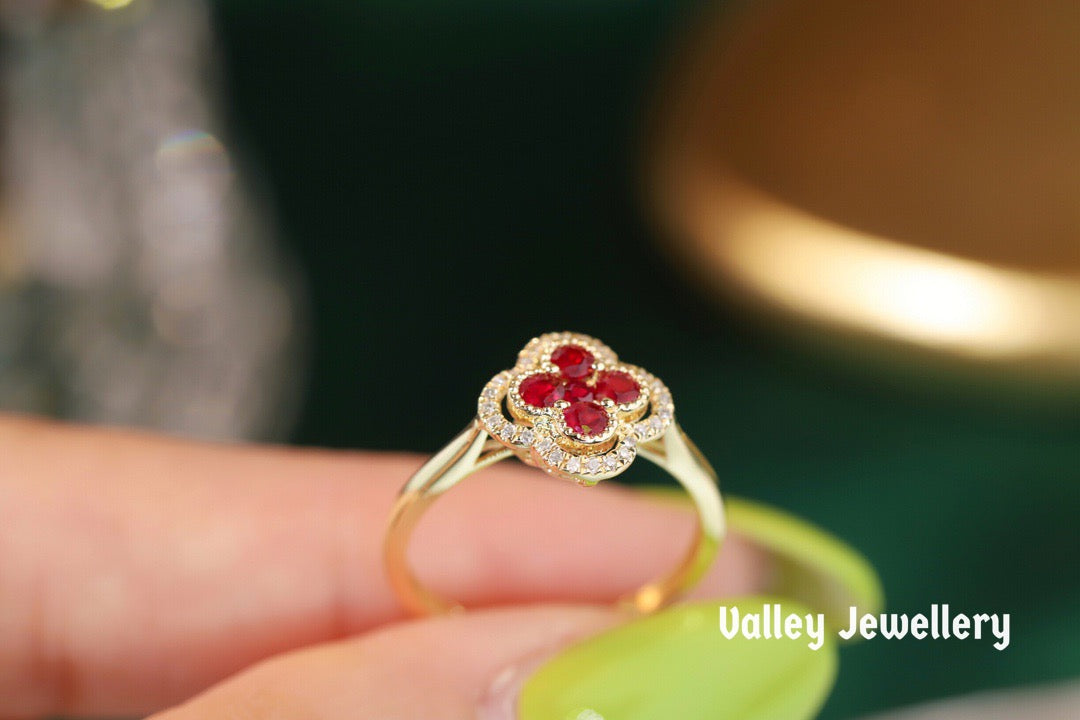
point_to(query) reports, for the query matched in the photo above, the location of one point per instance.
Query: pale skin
(143, 575)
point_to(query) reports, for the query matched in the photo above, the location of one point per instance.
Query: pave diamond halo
(570, 407)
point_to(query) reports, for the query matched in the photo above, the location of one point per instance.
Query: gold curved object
(904, 173)
(823, 271)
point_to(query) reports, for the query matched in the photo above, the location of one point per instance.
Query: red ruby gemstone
(586, 418)
(576, 391)
(573, 361)
(619, 386)
(540, 390)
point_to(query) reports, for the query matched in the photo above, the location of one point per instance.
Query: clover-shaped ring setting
(571, 408)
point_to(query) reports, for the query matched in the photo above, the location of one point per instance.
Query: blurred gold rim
(796, 262)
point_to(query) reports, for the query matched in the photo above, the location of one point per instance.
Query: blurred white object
(1060, 702)
(138, 283)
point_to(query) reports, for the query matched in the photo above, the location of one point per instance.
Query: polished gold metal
(476, 447)
(918, 198)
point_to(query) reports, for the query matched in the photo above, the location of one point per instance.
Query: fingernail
(739, 568)
(677, 664)
(501, 699)
(499, 702)
(799, 559)
(808, 563)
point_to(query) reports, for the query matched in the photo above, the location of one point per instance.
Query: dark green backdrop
(417, 153)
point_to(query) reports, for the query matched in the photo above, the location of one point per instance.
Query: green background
(424, 158)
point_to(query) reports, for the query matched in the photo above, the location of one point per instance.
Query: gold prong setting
(543, 433)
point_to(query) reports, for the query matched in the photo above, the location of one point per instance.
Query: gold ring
(572, 409)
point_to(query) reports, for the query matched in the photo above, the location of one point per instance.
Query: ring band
(576, 412)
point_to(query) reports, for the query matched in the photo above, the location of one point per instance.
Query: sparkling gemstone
(593, 464)
(555, 456)
(573, 465)
(527, 437)
(619, 386)
(486, 408)
(573, 361)
(630, 441)
(611, 462)
(586, 418)
(540, 390)
(654, 424)
(507, 431)
(575, 391)
(626, 452)
(544, 445)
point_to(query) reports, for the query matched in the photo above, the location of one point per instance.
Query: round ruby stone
(576, 391)
(540, 390)
(619, 386)
(573, 361)
(586, 418)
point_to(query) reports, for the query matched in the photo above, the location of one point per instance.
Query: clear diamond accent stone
(487, 407)
(544, 445)
(507, 431)
(593, 464)
(573, 465)
(556, 456)
(611, 462)
(527, 436)
(626, 452)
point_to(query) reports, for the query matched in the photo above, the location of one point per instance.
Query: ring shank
(467, 454)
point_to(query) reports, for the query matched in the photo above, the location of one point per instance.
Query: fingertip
(434, 668)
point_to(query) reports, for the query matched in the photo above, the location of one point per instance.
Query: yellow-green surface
(676, 664)
(806, 563)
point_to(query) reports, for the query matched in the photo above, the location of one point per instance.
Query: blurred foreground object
(906, 172)
(138, 282)
(1054, 702)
